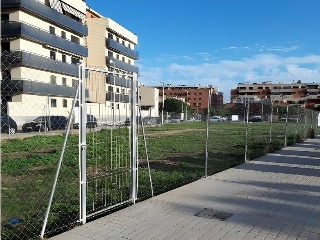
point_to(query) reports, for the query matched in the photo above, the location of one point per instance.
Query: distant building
(217, 100)
(278, 93)
(196, 97)
(149, 101)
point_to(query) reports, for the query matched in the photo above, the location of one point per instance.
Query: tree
(175, 106)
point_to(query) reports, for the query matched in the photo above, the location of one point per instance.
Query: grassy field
(176, 153)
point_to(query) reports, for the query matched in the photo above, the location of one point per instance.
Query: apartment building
(194, 96)
(41, 46)
(279, 93)
(111, 47)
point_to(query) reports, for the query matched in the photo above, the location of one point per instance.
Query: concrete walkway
(274, 197)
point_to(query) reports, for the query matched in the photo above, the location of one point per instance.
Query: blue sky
(221, 42)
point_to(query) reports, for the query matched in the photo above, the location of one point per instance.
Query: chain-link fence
(37, 95)
(69, 155)
(66, 150)
(180, 152)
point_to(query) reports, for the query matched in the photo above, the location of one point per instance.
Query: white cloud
(226, 74)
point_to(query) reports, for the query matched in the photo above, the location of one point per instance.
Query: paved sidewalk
(274, 197)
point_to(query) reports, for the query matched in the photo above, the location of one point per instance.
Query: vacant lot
(176, 153)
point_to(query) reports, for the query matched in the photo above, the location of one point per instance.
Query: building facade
(111, 47)
(42, 44)
(278, 93)
(196, 97)
(149, 101)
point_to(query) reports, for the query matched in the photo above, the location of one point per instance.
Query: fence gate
(108, 151)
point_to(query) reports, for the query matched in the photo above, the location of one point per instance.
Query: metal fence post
(247, 126)
(271, 120)
(207, 136)
(133, 133)
(82, 144)
(297, 122)
(286, 132)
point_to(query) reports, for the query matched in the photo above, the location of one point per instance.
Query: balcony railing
(13, 87)
(117, 47)
(22, 58)
(124, 66)
(118, 97)
(46, 12)
(17, 29)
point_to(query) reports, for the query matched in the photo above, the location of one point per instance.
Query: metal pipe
(59, 166)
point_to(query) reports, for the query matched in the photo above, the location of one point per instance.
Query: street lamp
(162, 103)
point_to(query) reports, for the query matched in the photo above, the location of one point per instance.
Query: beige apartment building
(279, 93)
(149, 101)
(110, 47)
(42, 44)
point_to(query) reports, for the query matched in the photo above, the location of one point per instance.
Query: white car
(215, 119)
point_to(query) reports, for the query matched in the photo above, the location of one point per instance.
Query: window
(129, 61)
(118, 91)
(118, 39)
(64, 103)
(74, 82)
(123, 59)
(250, 88)
(4, 18)
(64, 81)
(110, 36)
(110, 54)
(63, 34)
(118, 57)
(53, 79)
(110, 89)
(111, 105)
(123, 43)
(118, 106)
(52, 30)
(53, 103)
(75, 60)
(5, 46)
(75, 39)
(63, 58)
(53, 55)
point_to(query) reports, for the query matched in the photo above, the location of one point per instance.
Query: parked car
(150, 120)
(45, 123)
(8, 125)
(215, 119)
(255, 119)
(91, 122)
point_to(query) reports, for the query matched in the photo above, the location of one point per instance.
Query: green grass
(176, 153)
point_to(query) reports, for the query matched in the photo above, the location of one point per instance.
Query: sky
(221, 42)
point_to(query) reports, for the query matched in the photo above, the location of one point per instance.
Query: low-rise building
(278, 93)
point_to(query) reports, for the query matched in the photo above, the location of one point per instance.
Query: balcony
(22, 58)
(18, 29)
(122, 65)
(15, 87)
(117, 47)
(118, 97)
(46, 13)
(118, 81)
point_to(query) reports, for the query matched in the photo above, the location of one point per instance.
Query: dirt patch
(171, 132)
(5, 156)
(158, 164)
